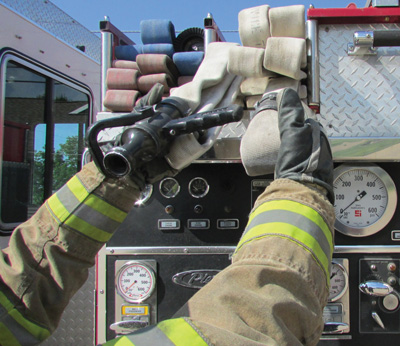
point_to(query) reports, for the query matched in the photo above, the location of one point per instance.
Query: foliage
(65, 165)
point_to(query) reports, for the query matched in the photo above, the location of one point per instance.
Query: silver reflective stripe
(294, 219)
(150, 336)
(67, 198)
(96, 218)
(20, 333)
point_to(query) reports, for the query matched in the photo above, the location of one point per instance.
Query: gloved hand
(304, 155)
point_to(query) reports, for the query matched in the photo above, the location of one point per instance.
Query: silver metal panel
(54, 20)
(77, 321)
(360, 95)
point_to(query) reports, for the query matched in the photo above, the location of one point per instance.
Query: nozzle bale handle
(204, 120)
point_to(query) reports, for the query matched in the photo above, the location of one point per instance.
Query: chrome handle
(126, 327)
(335, 328)
(375, 288)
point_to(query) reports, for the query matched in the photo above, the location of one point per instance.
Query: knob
(391, 280)
(390, 302)
(375, 288)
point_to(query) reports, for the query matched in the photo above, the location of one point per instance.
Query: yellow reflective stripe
(282, 229)
(181, 333)
(87, 229)
(299, 208)
(122, 341)
(106, 209)
(35, 330)
(77, 188)
(58, 209)
(6, 337)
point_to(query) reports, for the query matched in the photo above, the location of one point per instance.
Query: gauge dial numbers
(365, 199)
(169, 187)
(135, 282)
(339, 282)
(198, 187)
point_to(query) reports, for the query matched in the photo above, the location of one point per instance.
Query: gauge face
(144, 195)
(339, 282)
(198, 187)
(169, 187)
(135, 282)
(365, 199)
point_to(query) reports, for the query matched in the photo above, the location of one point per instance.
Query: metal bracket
(353, 50)
(363, 44)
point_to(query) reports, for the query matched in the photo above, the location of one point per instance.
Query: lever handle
(375, 288)
(377, 319)
(125, 327)
(335, 328)
(204, 120)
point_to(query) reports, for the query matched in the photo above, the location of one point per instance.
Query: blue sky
(127, 14)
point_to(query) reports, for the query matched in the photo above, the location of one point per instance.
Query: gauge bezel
(145, 195)
(167, 179)
(390, 205)
(346, 284)
(204, 193)
(119, 273)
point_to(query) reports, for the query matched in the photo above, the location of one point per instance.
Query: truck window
(44, 122)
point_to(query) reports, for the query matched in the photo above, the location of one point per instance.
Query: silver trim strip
(369, 149)
(370, 249)
(106, 57)
(178, 250)
(313, 61)
(228, 250)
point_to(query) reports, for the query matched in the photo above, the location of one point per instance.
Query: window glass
(24, 107)
(71, 111)
(44, 127)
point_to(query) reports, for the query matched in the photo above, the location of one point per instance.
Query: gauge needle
(358, 197)
(130, 286)
(333, 274)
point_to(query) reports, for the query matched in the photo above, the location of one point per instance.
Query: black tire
(190, 40)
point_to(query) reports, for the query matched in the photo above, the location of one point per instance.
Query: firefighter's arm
(48, 256)
(277, 286)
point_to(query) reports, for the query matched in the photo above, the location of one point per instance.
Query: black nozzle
(116, 163)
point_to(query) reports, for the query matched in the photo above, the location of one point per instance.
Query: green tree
(66, 162)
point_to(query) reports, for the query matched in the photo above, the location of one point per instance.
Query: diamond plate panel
(54, 20)
(360, 95)
(77, 322)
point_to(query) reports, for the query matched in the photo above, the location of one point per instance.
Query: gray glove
(304, 154)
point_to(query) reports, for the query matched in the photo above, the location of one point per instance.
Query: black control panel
(187, 226)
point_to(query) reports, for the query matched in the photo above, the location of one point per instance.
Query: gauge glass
(144, 195)
(169, 187)
(198, 187)
(339, 282)
(135, 282)
(365, 199)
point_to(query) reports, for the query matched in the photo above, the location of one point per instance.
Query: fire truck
(184, 229)
(50, 89)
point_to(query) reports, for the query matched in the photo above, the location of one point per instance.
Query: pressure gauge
(144, 195)
(198, 187)
(339, 282)
(135, 281)
(169, 187)
(365, 199)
